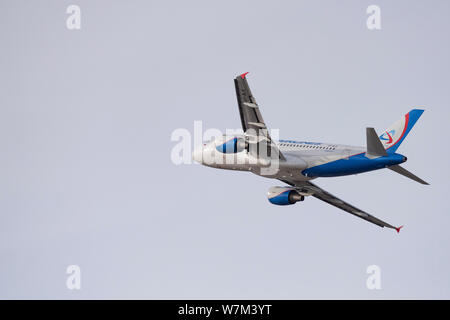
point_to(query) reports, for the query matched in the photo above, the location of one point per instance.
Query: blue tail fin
(393, 136)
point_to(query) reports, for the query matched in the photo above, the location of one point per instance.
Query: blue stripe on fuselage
(357, 163)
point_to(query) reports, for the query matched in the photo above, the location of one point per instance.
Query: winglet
(243, 75)
(398, 229)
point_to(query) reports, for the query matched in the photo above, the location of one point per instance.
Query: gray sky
(86, 177)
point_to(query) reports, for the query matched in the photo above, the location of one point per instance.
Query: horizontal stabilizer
(374, 146)
(406, 173)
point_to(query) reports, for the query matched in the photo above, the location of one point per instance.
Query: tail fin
(393, 136)
(374, 146)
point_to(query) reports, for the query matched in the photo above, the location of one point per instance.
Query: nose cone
(197, 155)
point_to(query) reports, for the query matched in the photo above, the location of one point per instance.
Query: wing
(251, 119)
(319, 193)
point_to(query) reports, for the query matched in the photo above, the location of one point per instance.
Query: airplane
(296, 163)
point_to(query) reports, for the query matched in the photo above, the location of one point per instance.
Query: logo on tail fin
(387, 136)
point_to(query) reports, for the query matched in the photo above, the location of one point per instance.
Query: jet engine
(283, 196)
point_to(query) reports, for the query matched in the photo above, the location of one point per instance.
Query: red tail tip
(398, 229)
(243, 75)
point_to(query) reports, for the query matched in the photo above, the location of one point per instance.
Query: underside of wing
(319, 193)
(248, 108)
(252, 122)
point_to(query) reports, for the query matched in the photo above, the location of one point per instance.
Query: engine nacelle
(283, 196)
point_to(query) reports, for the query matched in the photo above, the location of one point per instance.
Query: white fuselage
(300, 155)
